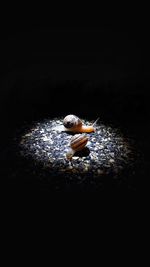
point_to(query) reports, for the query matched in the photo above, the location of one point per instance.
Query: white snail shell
(73, 124)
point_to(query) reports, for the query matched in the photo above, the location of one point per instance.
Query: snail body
(73, 124)
(77, 143)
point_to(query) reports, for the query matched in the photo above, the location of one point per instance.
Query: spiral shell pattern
(78, 142)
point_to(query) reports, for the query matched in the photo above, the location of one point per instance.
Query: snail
(73, 124)
(77, 143)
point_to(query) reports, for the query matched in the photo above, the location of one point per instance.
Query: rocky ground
(38, 156)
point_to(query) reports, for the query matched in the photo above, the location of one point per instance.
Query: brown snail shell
(73, 124)
(77, 143)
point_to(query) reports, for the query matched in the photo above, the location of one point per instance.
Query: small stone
(111, 160)
(99, 171)
(101, 146)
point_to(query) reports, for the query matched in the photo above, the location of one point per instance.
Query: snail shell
(73, 124)
(77, 143)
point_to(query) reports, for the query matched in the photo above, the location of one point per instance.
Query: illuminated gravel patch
(107, 152)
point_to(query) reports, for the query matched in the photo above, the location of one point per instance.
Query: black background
(89, 71)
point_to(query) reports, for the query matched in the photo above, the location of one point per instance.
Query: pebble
(111, 160)
(100, 171)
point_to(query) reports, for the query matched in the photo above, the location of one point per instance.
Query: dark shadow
(83, 153)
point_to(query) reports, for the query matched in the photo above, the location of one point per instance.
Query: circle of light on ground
(107, 151)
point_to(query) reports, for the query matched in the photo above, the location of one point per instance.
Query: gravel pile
(107, 153)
